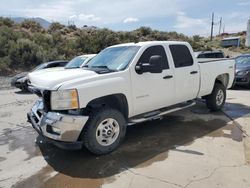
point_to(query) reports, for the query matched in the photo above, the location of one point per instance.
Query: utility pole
(212, 27)
(220, 25)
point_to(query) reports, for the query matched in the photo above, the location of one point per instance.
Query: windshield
(243, 60)
(75, 63)
(114, 58)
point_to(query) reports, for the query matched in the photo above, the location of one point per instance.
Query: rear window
(181, 56)
(211, 55)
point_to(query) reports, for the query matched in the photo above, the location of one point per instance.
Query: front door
(152, 91)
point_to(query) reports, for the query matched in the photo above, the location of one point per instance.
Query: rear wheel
(104, 131)
(216, 100)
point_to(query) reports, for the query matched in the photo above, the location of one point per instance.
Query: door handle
(194, 72)
(168, 77)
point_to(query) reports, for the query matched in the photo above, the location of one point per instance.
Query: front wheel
(216, 100)
(104, 131)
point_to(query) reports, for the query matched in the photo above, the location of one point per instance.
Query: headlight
(242, 73)
(64, 100)
(22, 80)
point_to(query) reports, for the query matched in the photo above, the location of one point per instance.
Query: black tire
(211, 99)
(24, 87)
(89, 133)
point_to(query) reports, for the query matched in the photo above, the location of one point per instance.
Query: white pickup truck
(123, 85)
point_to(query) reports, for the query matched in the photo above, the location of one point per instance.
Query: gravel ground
(5, 82)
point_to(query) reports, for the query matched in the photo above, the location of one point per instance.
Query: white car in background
(77, 62)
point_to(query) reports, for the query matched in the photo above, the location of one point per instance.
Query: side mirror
(154, 65)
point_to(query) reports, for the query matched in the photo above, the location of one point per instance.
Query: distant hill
(44, 23)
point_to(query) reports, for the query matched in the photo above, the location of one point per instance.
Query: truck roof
(151, 42)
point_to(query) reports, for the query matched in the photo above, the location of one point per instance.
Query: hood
(48, 70)
(20, 75)
(54, 79)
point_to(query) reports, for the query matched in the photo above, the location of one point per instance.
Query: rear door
(153, 91)
(186, 73)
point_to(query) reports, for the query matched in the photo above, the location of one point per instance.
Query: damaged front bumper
(61, 129)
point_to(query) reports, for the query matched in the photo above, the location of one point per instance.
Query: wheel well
(116, 101)
(222, 79)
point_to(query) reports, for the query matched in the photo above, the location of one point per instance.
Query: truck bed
(211, 69)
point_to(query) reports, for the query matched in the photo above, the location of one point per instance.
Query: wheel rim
(107, 132)
(220, 98)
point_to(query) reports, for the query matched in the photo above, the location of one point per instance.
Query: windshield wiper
(101, 67)
(71, 67)
(106, 68)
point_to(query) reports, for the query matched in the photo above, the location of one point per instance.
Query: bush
(6, 22)
(27, 44)
(4, 64)
(55, 27)
(25, 54)
(31, 25)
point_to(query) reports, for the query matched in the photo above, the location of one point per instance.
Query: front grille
(46, 100)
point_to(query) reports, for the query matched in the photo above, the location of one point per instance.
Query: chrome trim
(160, 114)
(70, 126)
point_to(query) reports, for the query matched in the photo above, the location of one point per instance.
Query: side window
(62, 64)
(181, 56)
(219, 55)
(53, 65)
(201, 56)
(210, 55)
(154, 50)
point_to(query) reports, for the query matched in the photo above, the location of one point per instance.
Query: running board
(159, 113)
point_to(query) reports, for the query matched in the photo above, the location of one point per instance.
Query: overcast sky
(186, 16)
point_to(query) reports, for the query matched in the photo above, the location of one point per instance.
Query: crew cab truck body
(123, 85)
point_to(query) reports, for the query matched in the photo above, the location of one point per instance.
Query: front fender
(104, 85)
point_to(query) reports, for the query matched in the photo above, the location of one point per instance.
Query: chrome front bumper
(56, 126)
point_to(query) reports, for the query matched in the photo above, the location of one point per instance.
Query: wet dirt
(2, 159)
(231, 131)
(23, 137)
(5, 114)
(145, 144)
(237, 110)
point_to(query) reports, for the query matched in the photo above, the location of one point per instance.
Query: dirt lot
(189, 148)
